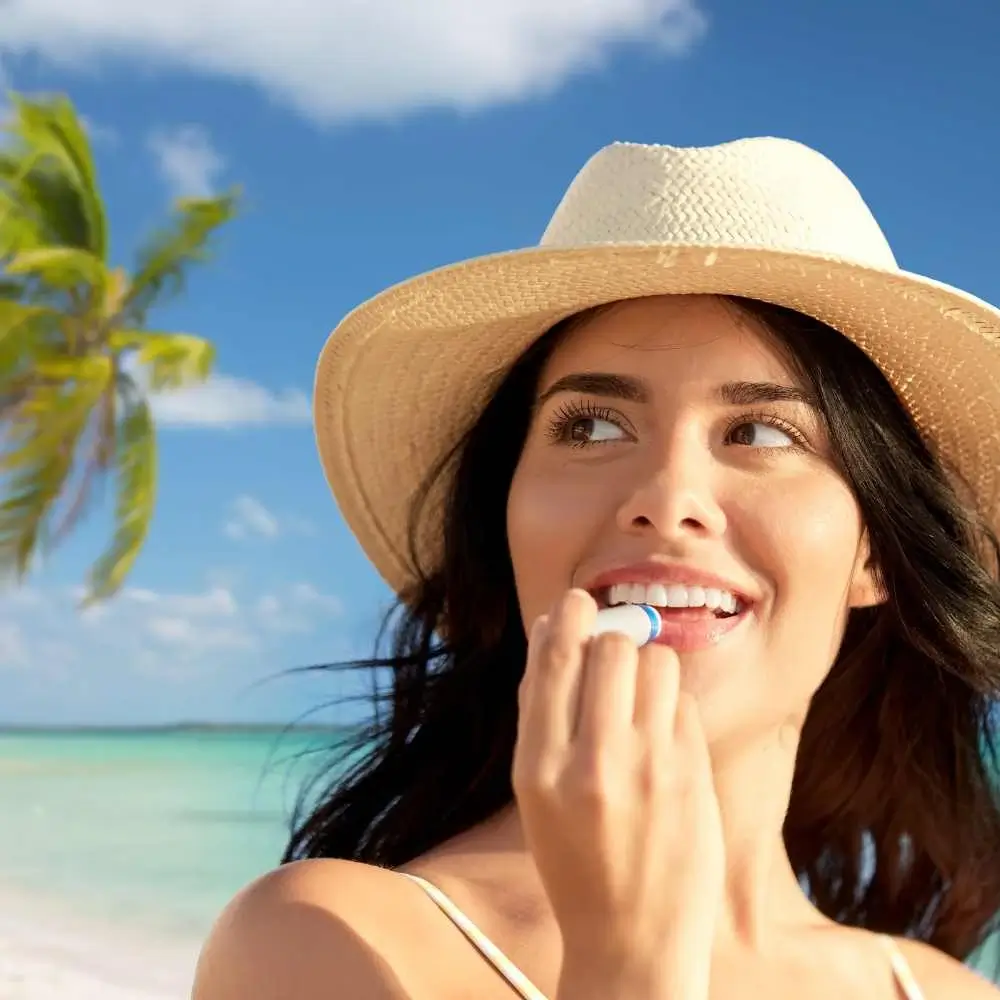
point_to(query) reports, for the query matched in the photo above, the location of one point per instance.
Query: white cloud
(193, 624)
(187, 160)
(340, 59)
(250, 517)
(307, 596)
(23, 597)
(160, 632)
(13, 652)
(222, 402)
(297, 609)
(227, 402)
(184, 632)
(216, 602)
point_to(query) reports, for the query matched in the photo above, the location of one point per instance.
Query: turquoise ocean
(155, 830)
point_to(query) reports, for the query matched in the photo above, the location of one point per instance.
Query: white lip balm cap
(639, 622)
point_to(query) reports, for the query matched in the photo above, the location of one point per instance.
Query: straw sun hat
(406, 373)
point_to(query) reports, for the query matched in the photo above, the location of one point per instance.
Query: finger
(657, 685)
(535, 637)
(607, 689)
(526, 695)
(689, 732)
(554, 661)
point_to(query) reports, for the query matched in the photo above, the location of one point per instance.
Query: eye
(762, 434)
(582, 424)
(590, 430)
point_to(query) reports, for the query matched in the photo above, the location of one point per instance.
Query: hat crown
(762, 192)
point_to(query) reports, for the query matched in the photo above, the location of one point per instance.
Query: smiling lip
(683, 629)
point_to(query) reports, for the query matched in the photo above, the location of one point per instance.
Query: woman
(710, 390)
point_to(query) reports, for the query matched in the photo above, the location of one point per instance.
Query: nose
(675, 493)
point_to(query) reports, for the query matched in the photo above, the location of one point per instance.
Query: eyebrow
(637, 390)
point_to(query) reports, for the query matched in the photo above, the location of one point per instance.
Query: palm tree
(76, 355)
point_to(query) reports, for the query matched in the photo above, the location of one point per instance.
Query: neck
(753, 784)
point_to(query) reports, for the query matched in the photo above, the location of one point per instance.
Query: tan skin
(590, 883)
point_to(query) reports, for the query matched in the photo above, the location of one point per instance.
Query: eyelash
(800, 442)
(569, 412)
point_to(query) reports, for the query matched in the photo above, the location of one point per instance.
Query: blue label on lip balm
(655, 621)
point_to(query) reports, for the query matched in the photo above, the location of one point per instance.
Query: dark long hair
(894, 819)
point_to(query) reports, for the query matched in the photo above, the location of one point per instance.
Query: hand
(614, 787)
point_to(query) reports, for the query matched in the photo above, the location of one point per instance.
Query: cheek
(804, 529)
(548, 522)
(812, 534)
(818, 535)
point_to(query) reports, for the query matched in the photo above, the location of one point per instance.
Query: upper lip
(652, 571)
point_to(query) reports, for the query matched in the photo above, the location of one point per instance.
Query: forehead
(693, 339)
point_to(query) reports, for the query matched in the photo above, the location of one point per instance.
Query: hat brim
(405, 374)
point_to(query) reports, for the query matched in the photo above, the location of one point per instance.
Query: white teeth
(674, 596)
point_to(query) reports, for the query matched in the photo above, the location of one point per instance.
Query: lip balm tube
(639, 622)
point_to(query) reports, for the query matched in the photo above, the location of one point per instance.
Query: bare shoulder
(941, 977)
(310, 930)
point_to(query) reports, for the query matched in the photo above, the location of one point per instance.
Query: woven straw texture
(406, 373)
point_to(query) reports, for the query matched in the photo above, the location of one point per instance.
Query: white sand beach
(47, 952)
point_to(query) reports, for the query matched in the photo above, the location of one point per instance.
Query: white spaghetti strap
(904, 974)
(503, 965)
(526, 990)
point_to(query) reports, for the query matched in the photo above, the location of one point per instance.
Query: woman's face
(674, 458)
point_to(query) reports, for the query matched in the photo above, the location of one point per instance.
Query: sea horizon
(18, 728)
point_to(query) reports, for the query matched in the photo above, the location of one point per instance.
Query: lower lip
(688, 630)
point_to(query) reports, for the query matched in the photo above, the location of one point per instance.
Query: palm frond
(21, 226)
(23, 332)
(69, 415)
(50, 164)
(11, 290)
(39, 447)
(171, 360)
(65, 392)
(24, 511)
(98, 452)
(163, 262)
(135, 462)
(38, 205)
(14, 315)
(60, 267)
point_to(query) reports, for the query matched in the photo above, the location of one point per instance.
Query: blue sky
(373, 143)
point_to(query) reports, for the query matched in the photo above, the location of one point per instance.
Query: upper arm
(943, 978)
(286, 938)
